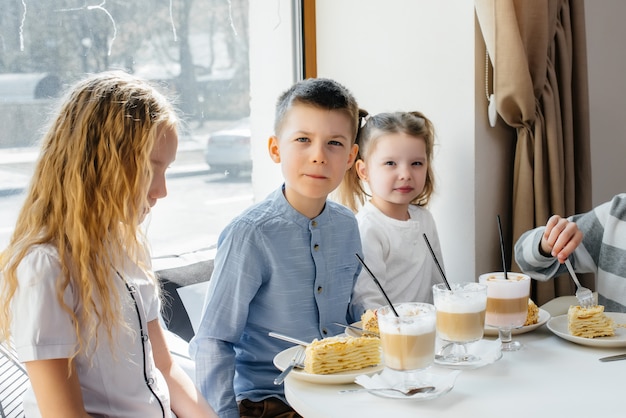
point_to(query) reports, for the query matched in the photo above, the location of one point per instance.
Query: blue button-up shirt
(275, 270)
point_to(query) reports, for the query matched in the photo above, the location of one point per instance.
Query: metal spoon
(584, 295)
(296, 361)
(408, 392)
(288, 339)
(361, 330)
(462, 359)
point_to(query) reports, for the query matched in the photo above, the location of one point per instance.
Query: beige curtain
(538, 52)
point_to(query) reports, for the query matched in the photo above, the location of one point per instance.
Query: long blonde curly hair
(87, 196)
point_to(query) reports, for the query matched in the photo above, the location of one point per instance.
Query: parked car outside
(228, 150)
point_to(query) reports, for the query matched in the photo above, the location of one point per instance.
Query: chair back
(13, 383)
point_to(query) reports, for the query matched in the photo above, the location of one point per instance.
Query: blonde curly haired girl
(78, 298)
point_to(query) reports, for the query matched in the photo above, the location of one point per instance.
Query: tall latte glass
(460, 319)
(507, 304)
(408, 340)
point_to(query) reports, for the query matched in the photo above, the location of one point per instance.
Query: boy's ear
(361, 169)
(353, 153)
(274, 149)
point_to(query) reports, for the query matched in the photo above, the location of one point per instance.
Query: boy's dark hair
(322, 93)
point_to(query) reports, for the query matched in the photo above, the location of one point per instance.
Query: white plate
(487, 351)
(558, 325)
(544, 317)
(282, 360)
(442, 379)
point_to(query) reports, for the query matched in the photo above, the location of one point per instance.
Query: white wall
(400, 55)
(607, 96)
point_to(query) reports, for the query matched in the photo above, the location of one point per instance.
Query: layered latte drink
(507, 299)
(460, 311)
(408, 340)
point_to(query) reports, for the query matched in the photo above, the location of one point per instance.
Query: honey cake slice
(589, 322)
(341, 353)
(369, 321)
(532, 316)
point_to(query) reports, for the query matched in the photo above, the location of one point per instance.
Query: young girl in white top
(394, 164)
(77, 294)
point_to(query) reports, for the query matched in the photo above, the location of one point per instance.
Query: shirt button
(319, 289)
(324, 331)
(316, 247)
(314, 223)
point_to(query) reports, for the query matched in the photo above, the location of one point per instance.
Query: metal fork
(296, 361)
(584, 295)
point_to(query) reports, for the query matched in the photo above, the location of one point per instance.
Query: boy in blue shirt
(287, 264)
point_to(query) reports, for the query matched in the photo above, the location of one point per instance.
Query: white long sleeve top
(396, 253)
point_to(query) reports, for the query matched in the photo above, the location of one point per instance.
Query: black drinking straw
(502, 248)
(378, 284)
(443, 275)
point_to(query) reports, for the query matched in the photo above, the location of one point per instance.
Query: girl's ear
(361, 169)
(274, 149)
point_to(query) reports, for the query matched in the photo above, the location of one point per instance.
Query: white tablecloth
(549, 377)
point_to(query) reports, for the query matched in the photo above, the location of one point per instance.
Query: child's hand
(560, 238)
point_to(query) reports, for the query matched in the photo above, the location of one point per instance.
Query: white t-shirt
(396, 253)
(112, 377)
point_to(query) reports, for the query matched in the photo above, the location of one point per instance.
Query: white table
(549, 377)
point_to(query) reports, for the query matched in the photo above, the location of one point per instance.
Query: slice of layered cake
(532, 317)
(589, 322)
(370, 321)
(341, 353)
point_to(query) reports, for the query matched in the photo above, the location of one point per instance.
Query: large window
(197, 50)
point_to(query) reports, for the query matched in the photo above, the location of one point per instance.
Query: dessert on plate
(589, 322)
(341, 353)
(533, 313)
(370, 321)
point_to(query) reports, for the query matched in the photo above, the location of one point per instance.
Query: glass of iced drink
(408, 340)
(460, 319)
(507, 304)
